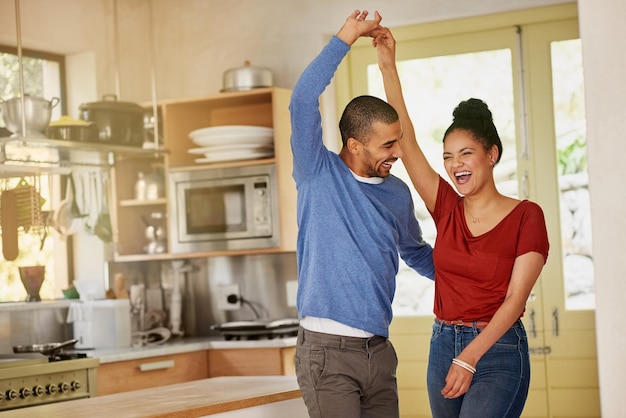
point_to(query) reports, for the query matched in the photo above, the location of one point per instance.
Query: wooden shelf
(137, 203)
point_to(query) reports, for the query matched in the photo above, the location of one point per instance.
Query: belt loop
(342, 342)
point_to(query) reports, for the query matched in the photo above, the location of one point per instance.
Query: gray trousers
(347, 377)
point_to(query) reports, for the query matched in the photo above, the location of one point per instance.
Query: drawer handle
(157, 365)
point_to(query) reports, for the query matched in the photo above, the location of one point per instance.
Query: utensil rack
(25, 156)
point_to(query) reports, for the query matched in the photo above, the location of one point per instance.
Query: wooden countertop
(184, 400)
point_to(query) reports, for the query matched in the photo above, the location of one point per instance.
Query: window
(38, 243)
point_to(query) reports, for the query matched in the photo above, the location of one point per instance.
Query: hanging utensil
(103, 228)
(64, 221)
(10, 247)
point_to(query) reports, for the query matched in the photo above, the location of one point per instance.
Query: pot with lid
(247, 77)
(116, 122)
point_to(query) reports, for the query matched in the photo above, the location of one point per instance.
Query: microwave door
(213, 211)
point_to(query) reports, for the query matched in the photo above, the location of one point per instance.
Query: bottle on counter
(140, 186)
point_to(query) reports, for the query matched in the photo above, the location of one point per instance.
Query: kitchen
(189, 49)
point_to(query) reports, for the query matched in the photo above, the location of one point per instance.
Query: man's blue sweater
(350, 232)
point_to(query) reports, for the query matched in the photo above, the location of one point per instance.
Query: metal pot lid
(110, 102)
(247, 77)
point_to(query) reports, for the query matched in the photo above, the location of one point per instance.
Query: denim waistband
(339, 341)
(472, 325)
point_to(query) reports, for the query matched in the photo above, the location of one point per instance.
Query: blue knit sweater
(350, 232)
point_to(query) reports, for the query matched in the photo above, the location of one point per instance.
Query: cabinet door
(252, 362)
(124, 376)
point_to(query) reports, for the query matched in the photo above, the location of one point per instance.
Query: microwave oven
(219, 209)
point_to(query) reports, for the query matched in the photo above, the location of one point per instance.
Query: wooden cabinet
(268, 107)
(252, 362)
(123, 376)
(131, 216)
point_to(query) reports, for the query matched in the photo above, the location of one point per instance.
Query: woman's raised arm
(424, 178)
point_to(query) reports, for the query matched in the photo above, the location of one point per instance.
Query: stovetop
(27, 359)
(258, 329)
(35, 379)
(69, 355)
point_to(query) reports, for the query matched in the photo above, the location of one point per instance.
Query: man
(354, 218)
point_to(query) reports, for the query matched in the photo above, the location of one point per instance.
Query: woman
(489, 252)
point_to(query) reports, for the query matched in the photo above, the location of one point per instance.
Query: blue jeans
(500, 385)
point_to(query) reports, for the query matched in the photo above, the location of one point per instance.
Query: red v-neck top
(472, 274)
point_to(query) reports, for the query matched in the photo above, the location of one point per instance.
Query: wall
(192, 42)
(262, 281)
(604, 42)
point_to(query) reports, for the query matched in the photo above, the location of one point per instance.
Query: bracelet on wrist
(464, 365)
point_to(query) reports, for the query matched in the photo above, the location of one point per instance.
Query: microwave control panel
(262, 208)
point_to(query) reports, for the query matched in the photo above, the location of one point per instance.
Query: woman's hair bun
(472, 109)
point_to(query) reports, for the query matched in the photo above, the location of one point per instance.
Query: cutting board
(8, 223)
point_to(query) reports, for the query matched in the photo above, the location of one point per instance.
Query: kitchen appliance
(230, 208)
(258, 329)
(116, 122)
(31, 379)
(37, 113)
(247, 77)
(101, 323)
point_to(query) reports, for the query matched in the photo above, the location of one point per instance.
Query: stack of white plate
(232, 142)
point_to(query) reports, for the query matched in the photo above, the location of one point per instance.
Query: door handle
(157, 365)
(555, 322)
(540, 350)
(532, 330)
(525, 184)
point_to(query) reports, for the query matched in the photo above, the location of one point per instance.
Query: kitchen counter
(184, 345)
(227, 397)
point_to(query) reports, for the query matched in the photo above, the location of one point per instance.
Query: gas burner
(60, 356)
(260, 329)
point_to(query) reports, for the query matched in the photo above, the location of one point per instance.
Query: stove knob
(64, 387)
(76, 385)
(11, 394)
(38, 390)
(51, 389)
(25, 393)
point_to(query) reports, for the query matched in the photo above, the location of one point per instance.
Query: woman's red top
(472, 274)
